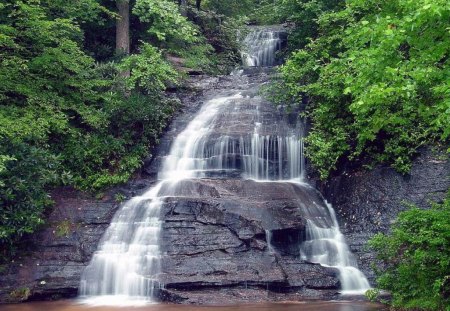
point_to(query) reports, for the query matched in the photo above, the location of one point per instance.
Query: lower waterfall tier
(232, 266)
(215, 238)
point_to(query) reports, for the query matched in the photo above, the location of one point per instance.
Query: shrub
(374, 75)
(416, 258)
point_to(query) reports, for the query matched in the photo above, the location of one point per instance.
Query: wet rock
(220, 241)
(368, 202)
(243, 294)
(51, 265)
(301, 274)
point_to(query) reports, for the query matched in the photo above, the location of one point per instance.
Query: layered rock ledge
(217, 251)
(230, 235)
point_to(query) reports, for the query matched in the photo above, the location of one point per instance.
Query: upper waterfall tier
(236, 134)
(261, 45)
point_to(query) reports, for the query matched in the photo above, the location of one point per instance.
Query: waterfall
(124, 269)
(261, 44)
(230, 137)
(325, 244)
(197, 152)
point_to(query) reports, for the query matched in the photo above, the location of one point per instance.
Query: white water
(195, 153)
(126, 268)
(260, 48)
(325, 244)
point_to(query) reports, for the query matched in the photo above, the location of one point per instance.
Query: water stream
(304, 306)
(261, 44)
(127, 265)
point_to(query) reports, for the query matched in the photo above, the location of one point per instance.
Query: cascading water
(126, 269)
(261, 45)
(325, 244)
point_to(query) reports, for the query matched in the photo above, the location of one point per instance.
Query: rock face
(368, 202)
(224, 240)
(52, 264)
(236, 235)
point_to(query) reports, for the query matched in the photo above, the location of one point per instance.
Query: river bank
(72, 305)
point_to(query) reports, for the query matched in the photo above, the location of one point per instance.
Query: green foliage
(65, 119)
(165, 21)
(174, 34)
(119, 197)
(269, 12)
(231, 8)
(375, 79)
(372, 294)
(63, 228)
(21, 293)
(416, 258)
(111, 155)
(219, 51)
(149, 71)
(24, 181)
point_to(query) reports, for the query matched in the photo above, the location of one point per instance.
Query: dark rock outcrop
(224, 240)
(368, 202)
(216, 238)
(51, 264)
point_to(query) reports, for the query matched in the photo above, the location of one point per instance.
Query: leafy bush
(64, 118)
(109, 156)
(165, 21)
(150, 73)
(24, 179)
(375, 80)
(221, 38)
(231, 8)
(416, 258)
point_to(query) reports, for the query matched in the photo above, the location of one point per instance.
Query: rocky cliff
(224, 240)
(240, 239)
(368, 202)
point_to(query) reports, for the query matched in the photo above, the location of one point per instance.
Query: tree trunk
(198, 4)
(183, 7)
(123, 33)
(123, 27)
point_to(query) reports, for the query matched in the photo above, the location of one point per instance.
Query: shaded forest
(85, 93)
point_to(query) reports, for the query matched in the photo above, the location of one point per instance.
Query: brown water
(290, 306)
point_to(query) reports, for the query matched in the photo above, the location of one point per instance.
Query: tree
(183, 7)
(375, 78)
(416, 258)
(123, 27)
